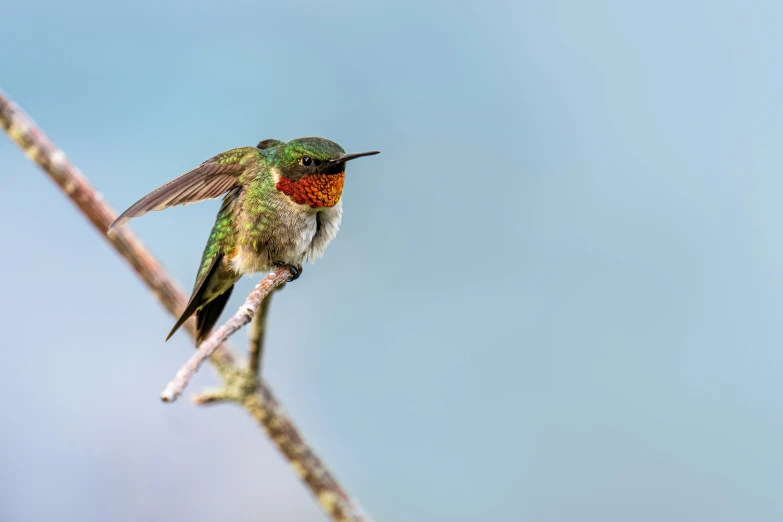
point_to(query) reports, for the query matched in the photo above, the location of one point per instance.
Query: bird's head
(312, 170)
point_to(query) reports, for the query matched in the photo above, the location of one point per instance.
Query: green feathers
(221, 239)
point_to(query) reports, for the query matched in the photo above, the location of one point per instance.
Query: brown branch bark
(244, 315)
(241, 385)
(255, 350)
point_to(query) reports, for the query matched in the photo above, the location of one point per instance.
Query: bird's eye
(307, 161)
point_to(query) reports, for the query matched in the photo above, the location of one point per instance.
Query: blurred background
(555, 296)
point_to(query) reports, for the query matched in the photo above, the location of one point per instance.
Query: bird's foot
(296, 270)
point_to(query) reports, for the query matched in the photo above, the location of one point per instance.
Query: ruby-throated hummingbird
(281, 207)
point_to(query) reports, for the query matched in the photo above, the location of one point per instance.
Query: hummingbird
(281, 207)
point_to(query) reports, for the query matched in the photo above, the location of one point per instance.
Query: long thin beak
(349, 157)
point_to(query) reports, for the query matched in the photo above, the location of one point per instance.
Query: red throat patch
(316, 190)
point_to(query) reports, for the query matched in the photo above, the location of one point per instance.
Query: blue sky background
(556, 294)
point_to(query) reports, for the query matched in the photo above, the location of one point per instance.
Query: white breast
(328, 223)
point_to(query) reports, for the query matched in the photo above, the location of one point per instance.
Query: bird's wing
(211, 179)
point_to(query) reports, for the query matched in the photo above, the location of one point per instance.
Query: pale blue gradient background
(556, 295)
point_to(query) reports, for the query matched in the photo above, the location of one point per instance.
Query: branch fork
(278, 277)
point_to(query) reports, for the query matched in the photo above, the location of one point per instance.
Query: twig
(211, 396)
(258, 399)
(256, 336)
(244, 315)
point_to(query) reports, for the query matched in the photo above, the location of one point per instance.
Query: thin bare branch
(256, 336)
(240, 385)
(244, 315)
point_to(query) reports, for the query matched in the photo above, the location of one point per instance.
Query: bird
(281, 207)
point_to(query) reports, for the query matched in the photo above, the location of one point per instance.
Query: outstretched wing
(211, 179)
